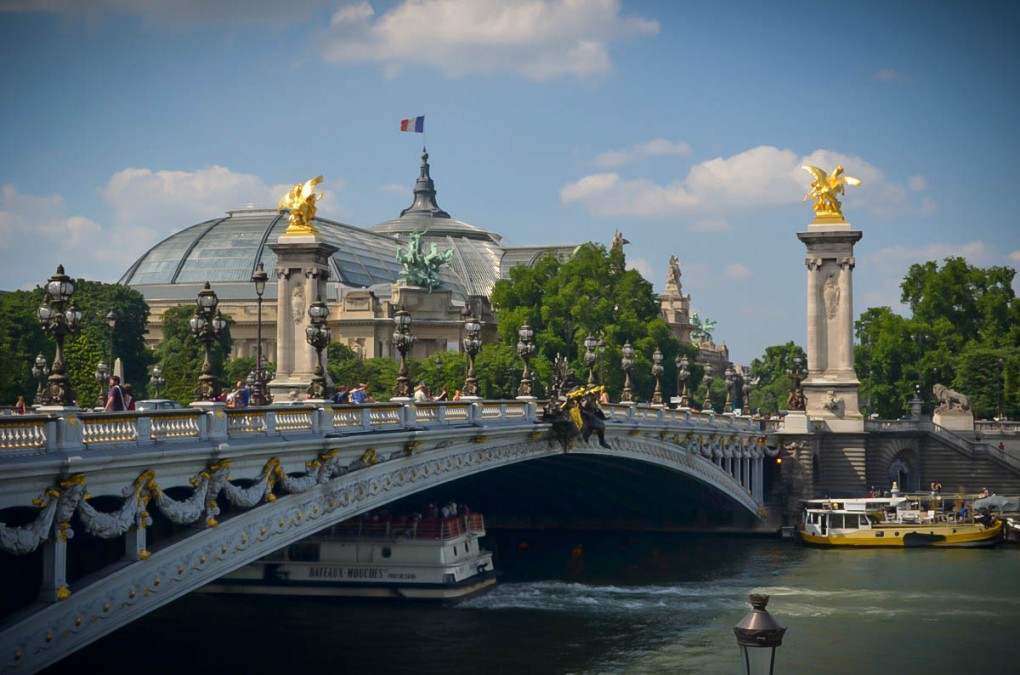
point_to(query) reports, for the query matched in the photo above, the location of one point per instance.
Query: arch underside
(122, 593)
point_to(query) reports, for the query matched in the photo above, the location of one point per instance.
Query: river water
(621, 603)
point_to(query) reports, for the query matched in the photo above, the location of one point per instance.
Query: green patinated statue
(422, 268)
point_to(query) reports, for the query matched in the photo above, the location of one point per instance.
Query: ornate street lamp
(758, 636)
(601, 347)
(207, 325)
(472, 344)
(157, 381)
(589, 357)
(707, 405)
(59, 317)
(439, 372)
(683, 373)
(103, 379)
(748, 384)
(259, 395)
(627, 362)
(526, 349)
(40, 371)
(797, 373)
(318, 335)
(730, 378)
(402, 340)
(657, 374)
(111, 322)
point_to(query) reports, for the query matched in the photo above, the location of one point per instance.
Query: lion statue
(949, 399)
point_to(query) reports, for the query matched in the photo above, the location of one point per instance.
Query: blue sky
(682, 124)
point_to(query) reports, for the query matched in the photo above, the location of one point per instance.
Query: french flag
(413, 124)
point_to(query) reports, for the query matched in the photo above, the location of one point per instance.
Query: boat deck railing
(409, 527)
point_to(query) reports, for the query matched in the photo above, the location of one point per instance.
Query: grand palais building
(363, 290)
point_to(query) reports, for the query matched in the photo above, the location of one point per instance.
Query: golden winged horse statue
(300, 201)
(824, 189)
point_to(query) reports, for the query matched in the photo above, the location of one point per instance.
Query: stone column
(302, 269)
(831, 388)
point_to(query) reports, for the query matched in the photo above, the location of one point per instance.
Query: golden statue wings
(824, 189)
(300, 201)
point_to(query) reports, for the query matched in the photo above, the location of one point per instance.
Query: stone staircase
(957, 462)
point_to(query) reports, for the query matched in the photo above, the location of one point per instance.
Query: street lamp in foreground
(59, 317)
(657, 374)
(318, 335)
(259, 395)
(526, 349)
(627, 362)
(758, 636)
(403, 341)
(472, 345)
(207, 325)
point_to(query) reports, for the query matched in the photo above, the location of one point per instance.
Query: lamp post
(157, 381)
(657, 371)
(999, 387)
(111, 322)
(627, 362)
(259, 395)
(207, 325)
(730, 377)
(601, 347)
(472, 343)
(318, 335)
(707, 405)
(683, 373)
(102, 378)
(40, 371)
(402, 340)
(526, 349)
(589, 357)
(758, 637)
(59, 317)
(796, 401)
(921, 339)
(748, 384)
(439, 373)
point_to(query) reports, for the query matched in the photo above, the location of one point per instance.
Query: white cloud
(709, 225)
(917, 183)
(178, 13)
(1015, 256)
(640, 151)
(535, 39)
(887, 75)
(737, 271)
(37, 234)
(760, 177)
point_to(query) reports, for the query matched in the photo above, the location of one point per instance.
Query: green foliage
(774, 385)
(379, 373)
(964, 319)
(590, 294)
(181, 355)
(22, 338)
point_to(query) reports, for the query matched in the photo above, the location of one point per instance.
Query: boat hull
(948, 535)
(431, 592)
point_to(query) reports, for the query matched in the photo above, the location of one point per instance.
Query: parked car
(157, 404)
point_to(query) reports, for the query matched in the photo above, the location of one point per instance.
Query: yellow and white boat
(893, 522)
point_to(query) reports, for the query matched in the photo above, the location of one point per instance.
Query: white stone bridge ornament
(412, 448)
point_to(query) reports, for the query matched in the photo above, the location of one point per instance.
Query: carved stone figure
(297, 304)
(824, 189)
(950, 400)
(673, 274)
(300, 201)
(831, 295)
(795, 400)
(832, 402)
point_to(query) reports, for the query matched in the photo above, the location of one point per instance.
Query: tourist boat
(895, 522)
(371, 557)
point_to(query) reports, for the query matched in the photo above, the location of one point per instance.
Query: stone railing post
(70, 432)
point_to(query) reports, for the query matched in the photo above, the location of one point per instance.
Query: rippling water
(628, 604)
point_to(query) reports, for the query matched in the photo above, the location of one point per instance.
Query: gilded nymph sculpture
(300, 201)
(824, 189)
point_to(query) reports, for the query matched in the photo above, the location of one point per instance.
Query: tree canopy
(181, 355)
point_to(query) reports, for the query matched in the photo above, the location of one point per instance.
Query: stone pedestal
(831, 388)
(796, 422)
(954, 420)
(302, 268)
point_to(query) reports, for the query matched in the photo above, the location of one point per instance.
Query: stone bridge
(239, 484)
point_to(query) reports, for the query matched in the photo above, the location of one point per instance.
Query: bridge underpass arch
(123, 592)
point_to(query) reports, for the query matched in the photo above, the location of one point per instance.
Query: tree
(589, 294)
(774, 385)
(181, 354)
(22, 339)
(964, 319)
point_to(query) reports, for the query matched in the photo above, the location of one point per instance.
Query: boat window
(387, 552)
(836, 520)
(455, 550)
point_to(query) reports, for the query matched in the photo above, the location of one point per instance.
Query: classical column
(846, 314)
(814, 325)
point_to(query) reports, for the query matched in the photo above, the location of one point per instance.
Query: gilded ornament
(63, 593)
(300, 201)
(824, 190)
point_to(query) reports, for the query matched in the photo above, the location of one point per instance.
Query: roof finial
(425, 193)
